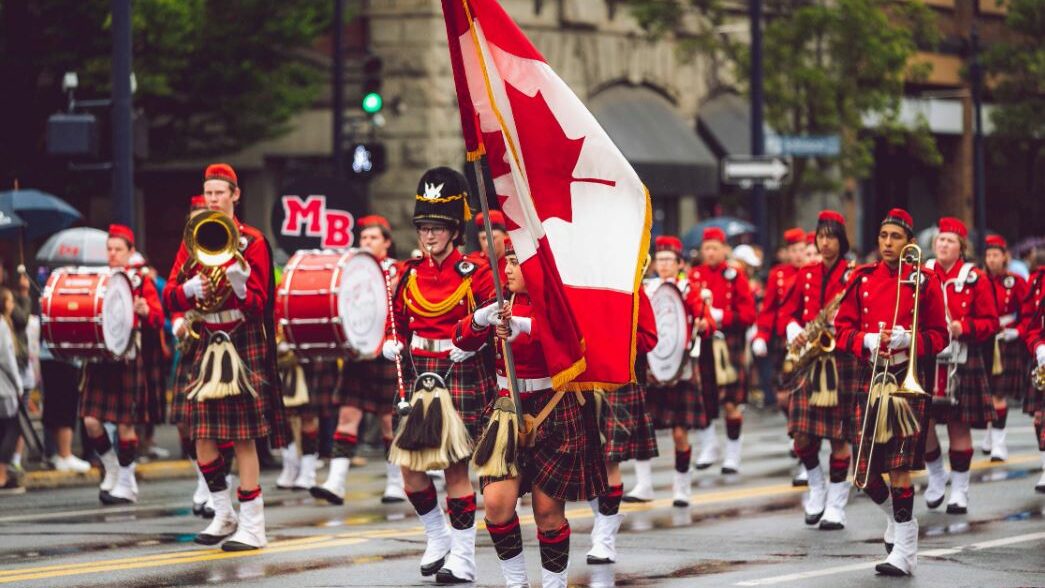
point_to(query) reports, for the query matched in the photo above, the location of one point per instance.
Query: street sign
(804, 145)
(746, 170)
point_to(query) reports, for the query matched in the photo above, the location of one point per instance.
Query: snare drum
(88, 313)
(332, 303)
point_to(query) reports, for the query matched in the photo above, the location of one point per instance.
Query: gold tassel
(297, 386)
(222, 374)
(825, 378)
(725, 373)
(496, 451)
(997, 368)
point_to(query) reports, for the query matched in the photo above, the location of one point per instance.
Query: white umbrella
(76, 246)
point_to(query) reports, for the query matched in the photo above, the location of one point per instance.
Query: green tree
(212, 76)
(828, 65)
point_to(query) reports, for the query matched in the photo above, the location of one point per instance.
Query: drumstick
(402, 406)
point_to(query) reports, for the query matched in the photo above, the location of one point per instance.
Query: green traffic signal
(372, 103)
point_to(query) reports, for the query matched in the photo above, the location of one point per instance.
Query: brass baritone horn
(212, 240)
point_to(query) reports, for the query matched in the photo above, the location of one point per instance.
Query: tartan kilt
(904, 453)
(973, 393)
(321, 378)
(777, 351)
(1014, 380)
(735, 393)
(369, 386)
(243, 416)
(468, 382)
(826, 422)
(1032, 401)
(113, 391)
(155, 368)
(563, 462)
(625, 423)
(179, 412)
(1039, 428)
(679, 405)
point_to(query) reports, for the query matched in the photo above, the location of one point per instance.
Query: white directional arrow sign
(747, 170)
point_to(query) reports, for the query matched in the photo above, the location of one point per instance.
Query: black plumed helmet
(442, 197)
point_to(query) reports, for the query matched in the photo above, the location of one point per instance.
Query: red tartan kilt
(777, 351)
(820, 421)
(972, 391)
(242, 416)
(182, 377)
(680, 405)
(1013, 381)
(1032, 401)
(113, 392)
(468, 383)
(626, 425)
(369, 386)
(900, 453)
(322, 378)
(564, 462)
(735, 393)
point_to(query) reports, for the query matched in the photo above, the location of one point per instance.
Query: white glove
(176, 325)
(391, 349)
(900, 338)
(758, 347)
(1039, 353)
(1009, 334)
(487, 315)
(519, 324)
(459, 355)
(282, 347)
(237, 275)
(871, 341)
(193, 287)
(793, 331)
(716, 313)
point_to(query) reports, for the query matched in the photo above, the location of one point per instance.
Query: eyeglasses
(433, 230)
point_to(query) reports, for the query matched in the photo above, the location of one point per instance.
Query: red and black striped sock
(309, 442)
(903, 504)
(461, 511)
(345, 445)
(214, 474)
(682, 460)
(423, 501)
(876, 489)
(839, 469)
(127, 451)
(933, 454)
(555, 548)
(507, 538)
(609, 502)
(1002, 418)
(809, 455)
(960, 459)
(733, 428)
(248, 495)
(101, 444)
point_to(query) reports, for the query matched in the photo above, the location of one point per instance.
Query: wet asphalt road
(743, 530)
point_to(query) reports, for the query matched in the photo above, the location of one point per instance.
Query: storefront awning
(661, 146)
(724, 122)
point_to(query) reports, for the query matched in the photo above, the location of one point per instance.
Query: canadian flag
(576, 211)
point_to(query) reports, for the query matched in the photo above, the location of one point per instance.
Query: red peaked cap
(714, 234)
(221, 171)
(197, 202)
(509, 248)
(830, 216)
(810, 237)
(794, 235)
(949, 224)
(374, 220)
(997, 241)
(496, 221)
(900, 217)
(668, 243)
(122, 232)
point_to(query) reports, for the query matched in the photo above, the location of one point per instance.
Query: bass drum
(332, 303)
(668, 359)
(88, 313)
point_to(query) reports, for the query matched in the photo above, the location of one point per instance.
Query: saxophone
(819, 339)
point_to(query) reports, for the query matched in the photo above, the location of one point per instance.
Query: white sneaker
(604, 539)
(959, 502)
(291, 466)
(643, 490)
(394, 490)
(834, 513)
(708, 448)
(937, 487)
(731, 462)
(460, 564)
(999, 449)
(333, 490)
(682, 488)
(816, 499)
(307, 473)
(514, 571)
(70, 464)
(111, 465)
(903, 559)
(224, 522)
(437, 533)
(126, 490)
(251, 532)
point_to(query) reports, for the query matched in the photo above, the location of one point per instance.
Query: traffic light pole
(758, 193)
(338, 105)
(122, 133)
(976, 71)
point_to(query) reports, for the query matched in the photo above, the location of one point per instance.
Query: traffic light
(372, 102)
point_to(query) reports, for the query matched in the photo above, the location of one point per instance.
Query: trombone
(888, 398)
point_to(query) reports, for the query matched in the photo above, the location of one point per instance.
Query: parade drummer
(1032, 332)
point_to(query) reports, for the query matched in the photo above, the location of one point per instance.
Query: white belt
(430, 345)
(1007, 319)
(222, 316)
(896, 358)
(526, 385)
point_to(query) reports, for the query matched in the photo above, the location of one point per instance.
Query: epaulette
(465, 268)
(409, 265)
(1008, 282)
(730, 273)
(853, 270)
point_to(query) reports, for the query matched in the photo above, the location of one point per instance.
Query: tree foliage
(1016, 65)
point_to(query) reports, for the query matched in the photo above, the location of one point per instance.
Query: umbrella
(731, 225)
(43, 213)
(10, 222)
(77, 246)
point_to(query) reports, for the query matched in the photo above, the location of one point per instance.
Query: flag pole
(509, 360)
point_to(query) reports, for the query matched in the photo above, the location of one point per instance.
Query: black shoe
(205, 539)
(109, 500)
(12, 486)
(997, 459)
(935, 503)
(680, 503)
(445, 576)
(703, 466)
(433, 567)
(324, 494)
(799, 483)
(814, 519)
(888, 569)
(237, 546)
(831, 526)
(599, 561)
(956, 510)
(197, 509)
(390, 500)
(633, 499)
(729, 471)
(1040, 488)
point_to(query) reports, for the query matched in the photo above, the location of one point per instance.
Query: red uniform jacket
(646, 333)
(526, 348)
(730, 293)
(425, 283)
(479, 258)
(815, 286)
(143, 286)
(254, 251)
(970, 302)
(872, 300)
(1032, 325)
(1009, 292)
(771, 318)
